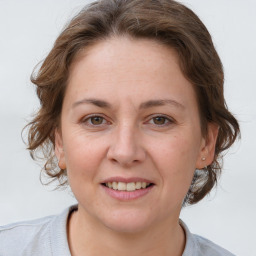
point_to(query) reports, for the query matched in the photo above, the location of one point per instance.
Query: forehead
(120, 51)
(125, 67)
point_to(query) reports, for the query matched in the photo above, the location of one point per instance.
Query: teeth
(138, 185)
(121, 186)
(131, 186)
(114, 185)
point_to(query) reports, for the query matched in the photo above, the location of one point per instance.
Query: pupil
(97, 120)
(159, 120)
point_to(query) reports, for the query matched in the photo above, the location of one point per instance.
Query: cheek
(83, 160)
(83, 156)
(178, 151)
(176, 161)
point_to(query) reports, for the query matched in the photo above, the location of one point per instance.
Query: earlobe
(59, 150)
(207, 151)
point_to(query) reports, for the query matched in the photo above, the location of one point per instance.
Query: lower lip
(127, 195)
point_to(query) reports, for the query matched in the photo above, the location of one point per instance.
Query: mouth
(127, 186)
(127, 189)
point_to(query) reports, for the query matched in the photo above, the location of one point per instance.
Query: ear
(59, 150)
(207, 150)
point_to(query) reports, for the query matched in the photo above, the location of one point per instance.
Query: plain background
(27, 32)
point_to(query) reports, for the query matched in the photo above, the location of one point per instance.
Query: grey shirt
(48, 237)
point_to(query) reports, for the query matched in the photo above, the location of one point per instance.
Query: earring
(61, 165)
(203, 158)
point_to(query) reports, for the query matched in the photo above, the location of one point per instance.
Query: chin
(128, 221)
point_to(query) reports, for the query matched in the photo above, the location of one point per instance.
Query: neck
(85, 236)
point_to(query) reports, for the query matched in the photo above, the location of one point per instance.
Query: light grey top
(48, 237)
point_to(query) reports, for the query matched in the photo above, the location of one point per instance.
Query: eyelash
(167, 120)
(88, 120)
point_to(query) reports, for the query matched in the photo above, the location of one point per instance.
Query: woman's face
(130, 119)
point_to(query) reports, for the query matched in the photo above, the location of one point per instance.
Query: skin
(127, 83)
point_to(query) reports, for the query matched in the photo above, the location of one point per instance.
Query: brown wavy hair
(165, 21)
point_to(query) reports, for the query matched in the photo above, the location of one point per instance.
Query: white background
(27, 32)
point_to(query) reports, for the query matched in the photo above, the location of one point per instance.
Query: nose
(126, 148)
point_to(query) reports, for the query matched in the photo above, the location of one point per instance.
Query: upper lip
(126, 180)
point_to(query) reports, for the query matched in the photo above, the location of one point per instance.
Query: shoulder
(21, 236)
(35, 237)
(207, 247)
(200, 246)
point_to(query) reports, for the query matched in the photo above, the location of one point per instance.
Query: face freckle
(127, 83)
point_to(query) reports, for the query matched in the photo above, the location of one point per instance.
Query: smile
(130, 186)
(126, 189)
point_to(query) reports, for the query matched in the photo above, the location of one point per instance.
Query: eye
(94, 121)
(160, 120)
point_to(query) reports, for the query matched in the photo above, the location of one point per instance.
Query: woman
(133, 118)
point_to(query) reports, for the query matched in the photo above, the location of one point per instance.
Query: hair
(165, 21)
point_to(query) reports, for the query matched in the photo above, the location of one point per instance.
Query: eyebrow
(144, 105)
(156, 103)
(96, 102)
